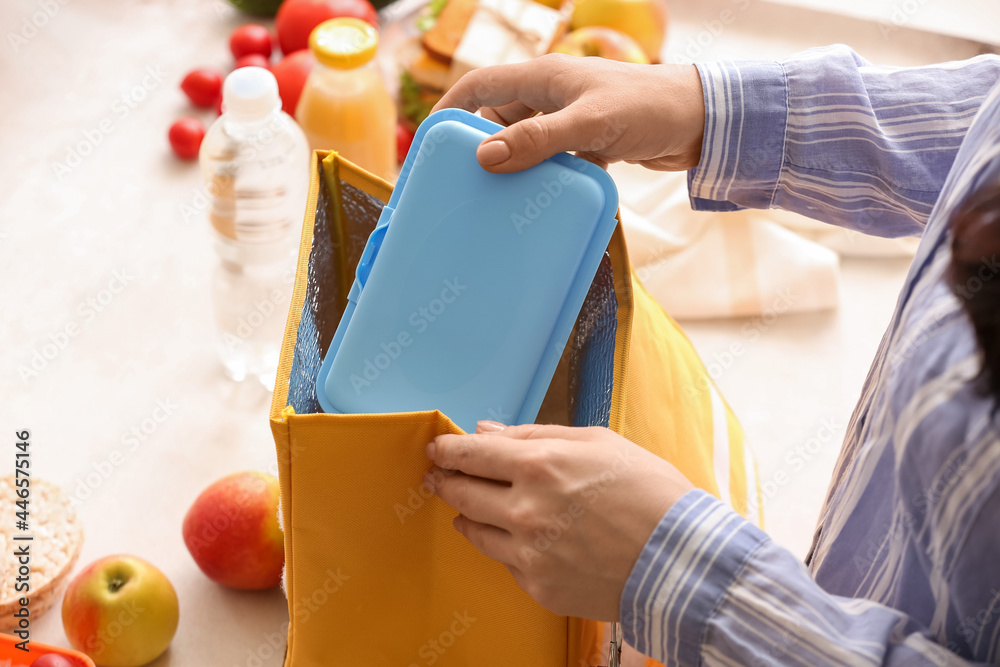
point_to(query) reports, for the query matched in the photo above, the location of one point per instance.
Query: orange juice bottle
(344, 105)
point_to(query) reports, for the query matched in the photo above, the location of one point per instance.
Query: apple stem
(115, 584)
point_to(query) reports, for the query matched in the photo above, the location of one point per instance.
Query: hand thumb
(526, 143)
(488, 426)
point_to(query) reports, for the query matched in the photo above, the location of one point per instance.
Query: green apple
(121, 611)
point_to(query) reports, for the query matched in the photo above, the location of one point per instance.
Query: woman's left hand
(567, 510)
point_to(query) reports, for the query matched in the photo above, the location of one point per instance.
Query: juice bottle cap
(344, 43)
(250, 93)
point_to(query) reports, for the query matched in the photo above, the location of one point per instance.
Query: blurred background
(109, 348)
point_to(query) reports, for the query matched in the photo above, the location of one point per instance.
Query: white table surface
(62, 238)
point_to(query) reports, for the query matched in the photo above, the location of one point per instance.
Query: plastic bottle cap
(344, 43)
(250, 93)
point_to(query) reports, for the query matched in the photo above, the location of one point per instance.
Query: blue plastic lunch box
(470, 283)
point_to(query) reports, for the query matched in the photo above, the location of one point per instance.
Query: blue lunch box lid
(471, 282)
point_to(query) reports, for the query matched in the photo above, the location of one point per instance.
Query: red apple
(600, 41)
(121, 611)
(232, 532)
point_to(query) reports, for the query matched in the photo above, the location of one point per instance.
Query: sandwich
(426, 60)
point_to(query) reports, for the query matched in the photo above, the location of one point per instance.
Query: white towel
(702, 265)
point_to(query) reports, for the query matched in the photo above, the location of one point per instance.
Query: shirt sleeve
(710, 588)
(828, 135)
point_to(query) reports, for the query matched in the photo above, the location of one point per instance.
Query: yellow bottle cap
(344, 43)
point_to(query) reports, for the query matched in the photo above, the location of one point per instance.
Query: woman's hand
(653, 115)
(567, 510)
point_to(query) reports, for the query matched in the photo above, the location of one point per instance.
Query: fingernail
(430, 450)
(493, 152)
(487, 426)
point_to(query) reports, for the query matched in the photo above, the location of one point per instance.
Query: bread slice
(57, 543)
(442, 40)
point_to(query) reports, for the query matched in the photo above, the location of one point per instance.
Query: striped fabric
(905, 566)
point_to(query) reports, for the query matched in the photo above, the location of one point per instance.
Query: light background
(62, 237)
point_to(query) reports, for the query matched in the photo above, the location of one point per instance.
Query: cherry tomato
(291, 73)
(203, 87)
(185, 137)
(53, 660)
(250, 38)
(252, 60)
(404, 137)
(297, 18)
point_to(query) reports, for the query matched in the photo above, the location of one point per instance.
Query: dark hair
(974, 276)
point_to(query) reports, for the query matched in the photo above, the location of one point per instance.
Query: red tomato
(203, 87)
(291, 73)
(250, 38)
(252, 60)
(297, 18)
(185, 137)
(404, 137)
(53, 660)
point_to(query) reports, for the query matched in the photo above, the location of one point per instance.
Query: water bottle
(255, 165)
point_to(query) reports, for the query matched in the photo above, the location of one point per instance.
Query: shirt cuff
(682, 575)
(746, 111)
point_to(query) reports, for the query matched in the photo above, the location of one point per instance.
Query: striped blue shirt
(905, 564)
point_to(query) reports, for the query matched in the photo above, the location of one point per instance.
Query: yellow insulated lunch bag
(376, 576)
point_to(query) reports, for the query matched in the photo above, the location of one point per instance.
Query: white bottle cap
(250, 93)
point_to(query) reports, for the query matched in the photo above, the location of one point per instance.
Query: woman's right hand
(653, 115)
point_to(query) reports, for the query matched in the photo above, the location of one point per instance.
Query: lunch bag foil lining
(580, 393)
